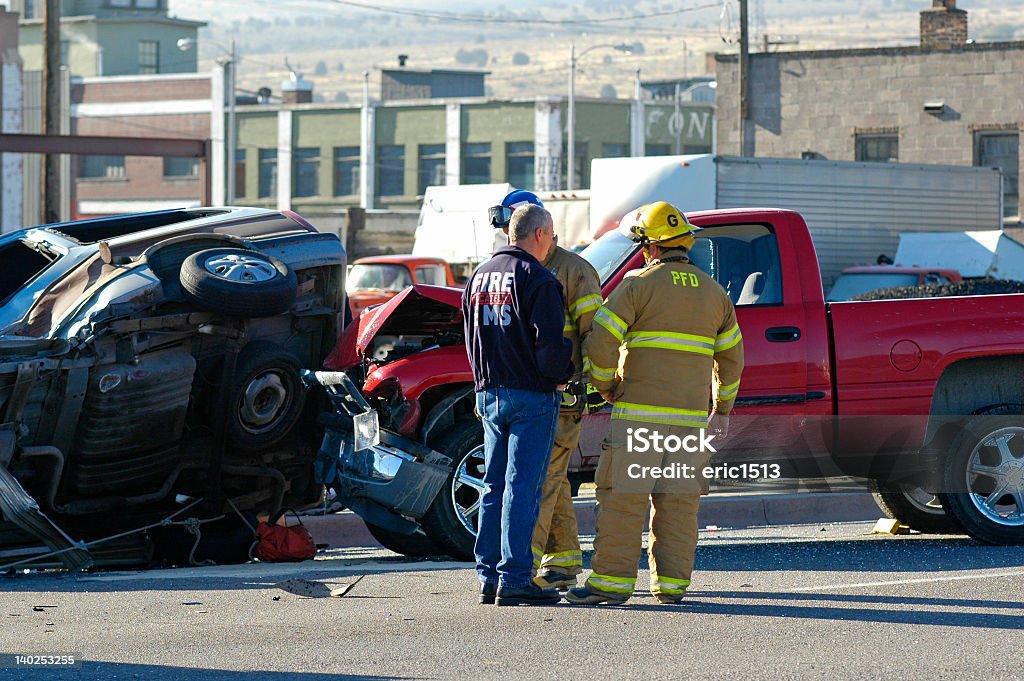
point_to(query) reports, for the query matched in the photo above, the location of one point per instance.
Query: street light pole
(570, 162)
(232, 127)
(229, 67)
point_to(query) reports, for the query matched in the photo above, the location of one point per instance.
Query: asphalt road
(792, 602)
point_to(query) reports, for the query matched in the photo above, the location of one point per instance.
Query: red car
(921, 396)
(378, 279)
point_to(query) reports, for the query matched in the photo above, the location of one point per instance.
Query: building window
(519, 164)
(119, 3)
(239, 172)
(1002, 150)
(883, 148)
(582, 169)
(307, 172)
(101, 167)
(431, 166)
(65, 52)
(268, 173)
(30, 10)
(614, 150)
(147, 4)
(178, 167)
(390, 170)
(149, 56)
(657, 150)
(346, 171)
(476, 163)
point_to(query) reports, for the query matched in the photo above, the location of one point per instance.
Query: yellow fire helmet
(662, 224)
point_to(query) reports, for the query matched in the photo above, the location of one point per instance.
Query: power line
(481, 19)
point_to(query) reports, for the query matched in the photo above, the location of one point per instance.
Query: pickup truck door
(785, 381)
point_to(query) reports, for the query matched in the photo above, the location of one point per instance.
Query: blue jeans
(519, 429)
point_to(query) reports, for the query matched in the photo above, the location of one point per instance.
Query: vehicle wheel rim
(995, 477)
(263, 402)
(468, 488)
(921, 499)
(246, 268)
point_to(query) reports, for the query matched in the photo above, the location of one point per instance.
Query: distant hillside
(525, 44)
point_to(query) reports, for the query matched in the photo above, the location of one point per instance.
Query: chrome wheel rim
(995, 477)
(921, 499)
(263, 402)
(236, 267)
(468, 488)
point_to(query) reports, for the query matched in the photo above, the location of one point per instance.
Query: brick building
(947, 100)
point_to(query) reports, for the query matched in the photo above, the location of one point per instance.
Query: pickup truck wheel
(452, 517)
(914, 507)
(416, 545)
(239, 282)
(984, 477)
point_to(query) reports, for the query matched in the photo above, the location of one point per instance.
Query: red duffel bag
(283, 543)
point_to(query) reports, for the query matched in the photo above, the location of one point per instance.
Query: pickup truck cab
(855, 281)
(378, 279)
(921, 396)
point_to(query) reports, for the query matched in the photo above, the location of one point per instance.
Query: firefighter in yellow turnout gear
(556, 544)
(664, 338)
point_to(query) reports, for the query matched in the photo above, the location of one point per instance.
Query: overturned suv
(151, 373)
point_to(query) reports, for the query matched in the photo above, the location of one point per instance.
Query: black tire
(416, 545)
(967, 489)
(913, 507)
(265, 398)
(239, 282)
(442, 522)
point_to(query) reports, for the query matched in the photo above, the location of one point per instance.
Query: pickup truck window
(743, 258)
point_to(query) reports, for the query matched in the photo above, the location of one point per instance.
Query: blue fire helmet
(499, 216)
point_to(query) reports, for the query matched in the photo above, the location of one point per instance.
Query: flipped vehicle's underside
(151, 375)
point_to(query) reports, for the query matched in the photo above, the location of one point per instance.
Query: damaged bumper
(387, 479)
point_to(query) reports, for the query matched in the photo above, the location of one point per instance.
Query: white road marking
(898, 582)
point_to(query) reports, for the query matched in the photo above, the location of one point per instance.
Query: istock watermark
(643, 440)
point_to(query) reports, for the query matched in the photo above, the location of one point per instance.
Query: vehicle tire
(451, 518)
(416, 545)
(914, 507)
(238, 282)
(265, 397)
(983, 477)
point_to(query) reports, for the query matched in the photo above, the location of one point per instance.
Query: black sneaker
(531, 594)
(487, 592)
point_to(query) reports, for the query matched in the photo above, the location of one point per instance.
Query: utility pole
(51, 109)
(743, 67)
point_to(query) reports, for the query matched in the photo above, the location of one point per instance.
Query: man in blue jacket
(514, 314)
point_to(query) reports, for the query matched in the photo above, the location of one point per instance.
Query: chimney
(943, 26)
(402, 58)
(296, 90)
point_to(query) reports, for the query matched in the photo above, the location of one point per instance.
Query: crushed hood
(419, 309)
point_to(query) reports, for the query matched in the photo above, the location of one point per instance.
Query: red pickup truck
(921, 396)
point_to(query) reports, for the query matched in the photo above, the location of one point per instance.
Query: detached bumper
(400, 475)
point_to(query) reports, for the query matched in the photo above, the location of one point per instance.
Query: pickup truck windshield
(378, 276)
(609, 253)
